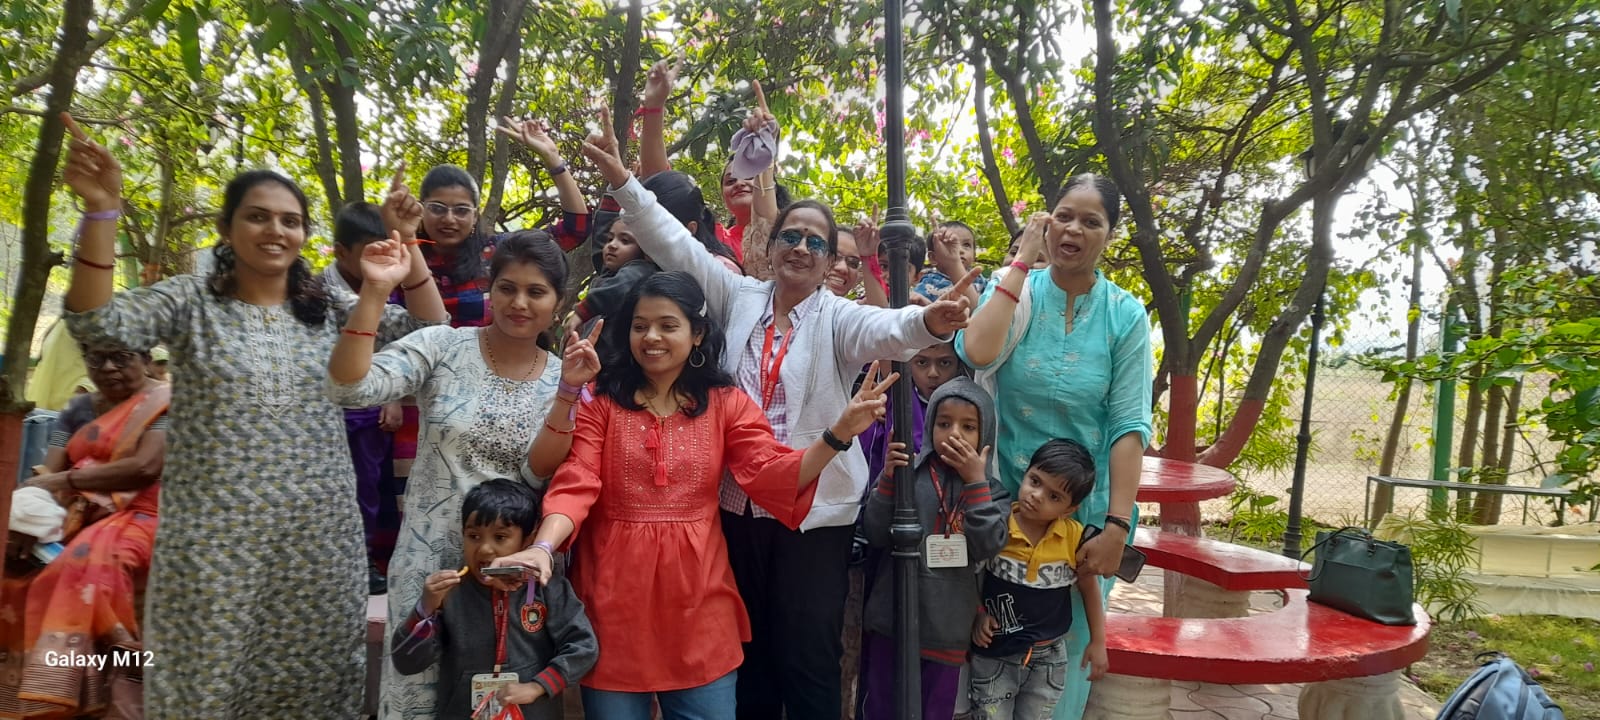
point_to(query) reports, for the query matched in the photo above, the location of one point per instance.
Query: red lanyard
(950, 514)
(502, 612)
(769, 372)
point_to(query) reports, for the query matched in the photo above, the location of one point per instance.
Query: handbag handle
(1354, 530)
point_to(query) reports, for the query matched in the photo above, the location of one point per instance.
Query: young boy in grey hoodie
(963, 511)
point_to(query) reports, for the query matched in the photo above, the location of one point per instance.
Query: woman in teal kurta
(1067, 354)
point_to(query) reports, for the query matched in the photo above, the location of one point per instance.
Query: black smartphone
(1132, 558)
(513, 570)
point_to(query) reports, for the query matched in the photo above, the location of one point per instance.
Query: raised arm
(662, 237)
(876, 291)
(384, 265)
(402, 214)
(764, 196)
(579, 366)
(535, 135)
(95, 177)
(985, 336)
(652, 110)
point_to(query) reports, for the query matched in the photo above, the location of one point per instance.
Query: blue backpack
(1500, 690)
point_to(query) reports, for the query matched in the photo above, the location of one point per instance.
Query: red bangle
(647, 111)
(359, 333)
(1020, 265)
(419, 283)
(1008, 293)
(418, 241)
(553, 429)
(93, 264)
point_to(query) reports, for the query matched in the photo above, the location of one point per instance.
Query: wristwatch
(834, 442)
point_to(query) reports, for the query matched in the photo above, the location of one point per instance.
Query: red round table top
(1162, 481)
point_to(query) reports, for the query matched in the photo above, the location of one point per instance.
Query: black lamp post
(896, 234)
(1321, 226)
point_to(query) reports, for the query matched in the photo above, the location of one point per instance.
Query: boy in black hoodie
(963, 511)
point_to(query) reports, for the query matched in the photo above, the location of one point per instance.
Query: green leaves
(188, 29)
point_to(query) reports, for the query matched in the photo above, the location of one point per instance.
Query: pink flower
(778, 21)
(1588, 666)
(1011, 157)
(878, 117)
(1019, 207)
(924, 135)
(127, 141)
(136, 99)
(472, 70)
(365, 167)
(973, 181)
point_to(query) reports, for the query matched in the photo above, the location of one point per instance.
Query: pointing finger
(594, 332)
(73, 127)
(965, 282)
(399, 181)
(761, 97)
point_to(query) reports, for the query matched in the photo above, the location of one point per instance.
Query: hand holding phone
(506, 571)
(1132, 559)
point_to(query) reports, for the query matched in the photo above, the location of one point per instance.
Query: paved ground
(1207, 701)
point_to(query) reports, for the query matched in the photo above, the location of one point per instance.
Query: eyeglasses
(814, 243)
(119, 358)
(438, 210)
(853, 262)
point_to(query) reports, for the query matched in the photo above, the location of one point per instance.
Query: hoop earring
(696, 353)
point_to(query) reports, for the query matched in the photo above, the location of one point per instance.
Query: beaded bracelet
(1000, 289)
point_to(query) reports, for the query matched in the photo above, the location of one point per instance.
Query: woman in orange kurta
(641, 483)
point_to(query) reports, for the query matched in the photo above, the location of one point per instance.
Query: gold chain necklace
(494, 366)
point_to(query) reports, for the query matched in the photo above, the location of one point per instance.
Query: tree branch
(109, 30)
(991, 170)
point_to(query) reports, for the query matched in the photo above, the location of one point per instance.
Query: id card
(486, 684)
(947, 551)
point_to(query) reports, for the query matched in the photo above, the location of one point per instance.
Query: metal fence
(1351, 414)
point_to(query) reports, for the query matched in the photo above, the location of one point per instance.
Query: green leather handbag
(1359, 574)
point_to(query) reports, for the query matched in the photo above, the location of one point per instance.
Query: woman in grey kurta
(483, 394)
(256, 603)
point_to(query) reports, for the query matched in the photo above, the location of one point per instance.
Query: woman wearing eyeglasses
(796, 349)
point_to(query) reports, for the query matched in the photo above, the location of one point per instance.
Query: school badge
(533, 615)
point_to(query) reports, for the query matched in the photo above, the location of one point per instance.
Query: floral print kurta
(476, 426)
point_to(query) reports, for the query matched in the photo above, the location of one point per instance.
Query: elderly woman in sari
(104, 464)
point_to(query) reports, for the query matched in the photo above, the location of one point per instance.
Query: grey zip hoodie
(947, 597)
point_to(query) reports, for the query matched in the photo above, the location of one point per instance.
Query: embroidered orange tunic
(649, 561)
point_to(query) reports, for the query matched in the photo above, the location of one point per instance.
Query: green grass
(1561, 653)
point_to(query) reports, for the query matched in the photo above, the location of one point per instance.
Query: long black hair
(620, 375)
(308, 299)
(468, 265)
(536, 248)
(681, 196)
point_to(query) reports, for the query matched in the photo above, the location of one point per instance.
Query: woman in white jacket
(796, 349)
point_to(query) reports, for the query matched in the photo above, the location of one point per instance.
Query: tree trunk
(72, 52)
(300, 63)
(1490, 512)
(502, 27)
(1469, 438)
(505, 106)
(342, 101)
(163, 233)
(991, 169)
(622, 97)
(1383, 497)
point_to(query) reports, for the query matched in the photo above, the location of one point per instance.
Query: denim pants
(712, 701)
(1020, 687)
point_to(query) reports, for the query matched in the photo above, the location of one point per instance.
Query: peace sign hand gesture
(579, 361)
(867, 407)
(91, 171)
(401, 211)
(600, 149)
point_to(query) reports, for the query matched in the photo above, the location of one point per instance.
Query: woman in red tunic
(641, 482)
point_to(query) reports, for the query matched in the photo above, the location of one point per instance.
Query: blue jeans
(1021, 687)
(715, 700)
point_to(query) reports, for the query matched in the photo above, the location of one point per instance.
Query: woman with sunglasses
(796, 349)
(257, 605)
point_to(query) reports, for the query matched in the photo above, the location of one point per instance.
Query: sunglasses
(814, 243)
(120, 359)
(439, 210)
(853, 262)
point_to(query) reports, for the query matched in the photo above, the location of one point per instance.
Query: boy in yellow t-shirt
(1017, 643)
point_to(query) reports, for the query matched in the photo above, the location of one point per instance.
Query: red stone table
(1179, 487)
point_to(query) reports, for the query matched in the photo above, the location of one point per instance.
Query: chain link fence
(1350, 419)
